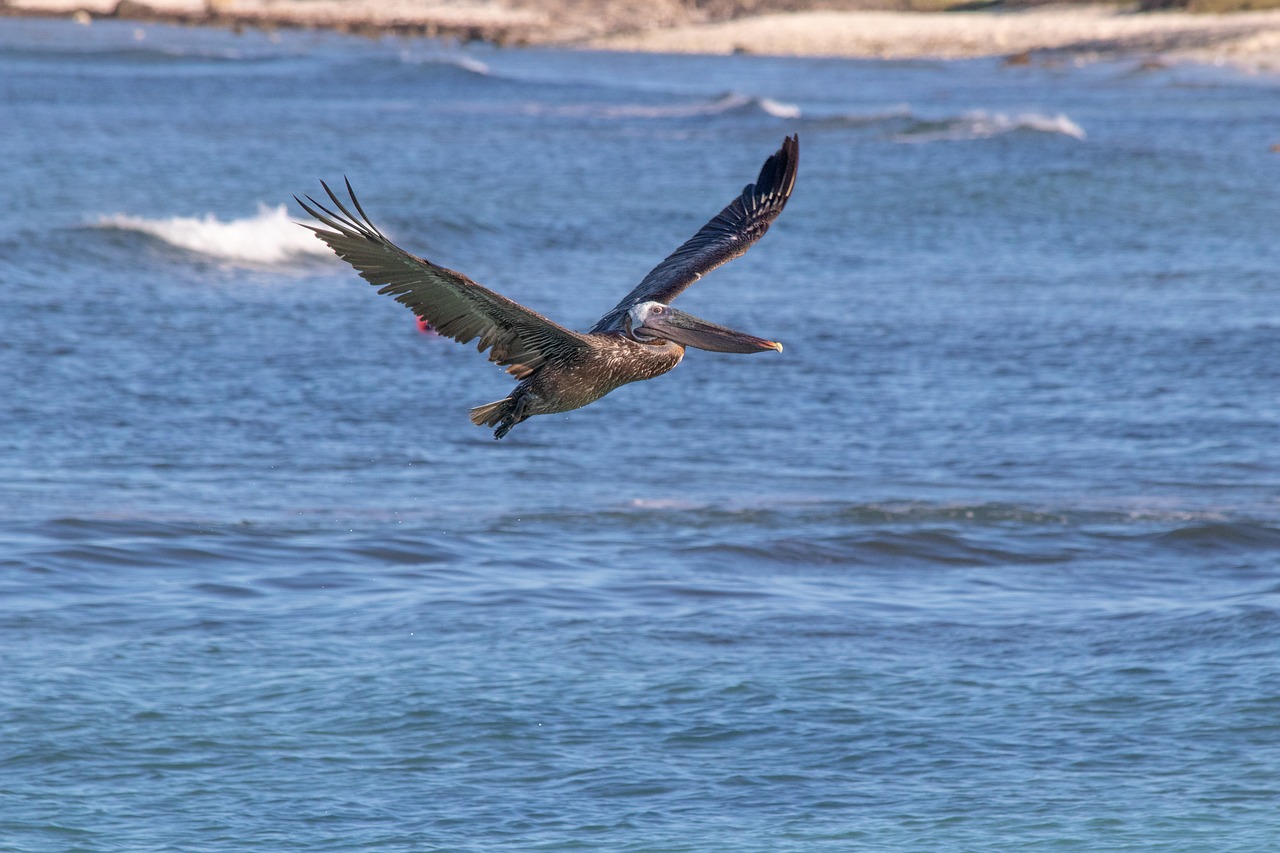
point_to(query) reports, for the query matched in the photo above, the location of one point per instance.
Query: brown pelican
(560, 370)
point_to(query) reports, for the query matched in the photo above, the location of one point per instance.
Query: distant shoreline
(1080, 33)
(1250, 40)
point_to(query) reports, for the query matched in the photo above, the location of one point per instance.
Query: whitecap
(980, 124)
(730, 103)
(457, 61)
(778, 109)
(270, 237)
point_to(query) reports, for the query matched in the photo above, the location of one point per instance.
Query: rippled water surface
(987, 559)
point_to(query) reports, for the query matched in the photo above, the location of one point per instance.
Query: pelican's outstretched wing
(453, 304)
(721, 240)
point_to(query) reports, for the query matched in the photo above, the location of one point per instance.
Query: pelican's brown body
(561, 370)
(612, 360)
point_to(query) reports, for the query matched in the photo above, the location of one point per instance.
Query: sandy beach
(1249, 39)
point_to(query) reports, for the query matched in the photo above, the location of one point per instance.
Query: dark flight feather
(455, 306)
(724, 238)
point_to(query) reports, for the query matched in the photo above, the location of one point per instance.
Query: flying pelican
(561, 370)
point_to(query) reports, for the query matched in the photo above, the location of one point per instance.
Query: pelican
(559, 369)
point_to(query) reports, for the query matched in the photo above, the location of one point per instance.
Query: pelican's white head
(640, 314)
(652, 321)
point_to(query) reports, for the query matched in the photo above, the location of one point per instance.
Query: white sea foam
(730, 102)
(778, 109)
(980, 124)
(462, 63)
(726, 104)
(271, 237)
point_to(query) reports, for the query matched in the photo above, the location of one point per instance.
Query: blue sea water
(987, 559)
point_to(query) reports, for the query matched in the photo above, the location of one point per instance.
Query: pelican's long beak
(691, 331)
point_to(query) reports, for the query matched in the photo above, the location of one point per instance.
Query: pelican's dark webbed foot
(514, 415)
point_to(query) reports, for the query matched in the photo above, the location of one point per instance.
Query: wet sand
(1081, 32)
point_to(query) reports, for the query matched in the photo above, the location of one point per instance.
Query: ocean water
(987, 559)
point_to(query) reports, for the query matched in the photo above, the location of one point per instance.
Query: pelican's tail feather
(504, 414)
(490, 414)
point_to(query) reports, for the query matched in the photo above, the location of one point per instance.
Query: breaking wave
(730, 103)
(270, 237)
(900, 122)
(464, 64)
(980, 124)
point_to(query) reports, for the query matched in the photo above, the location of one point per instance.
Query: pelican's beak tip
(775, 345)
